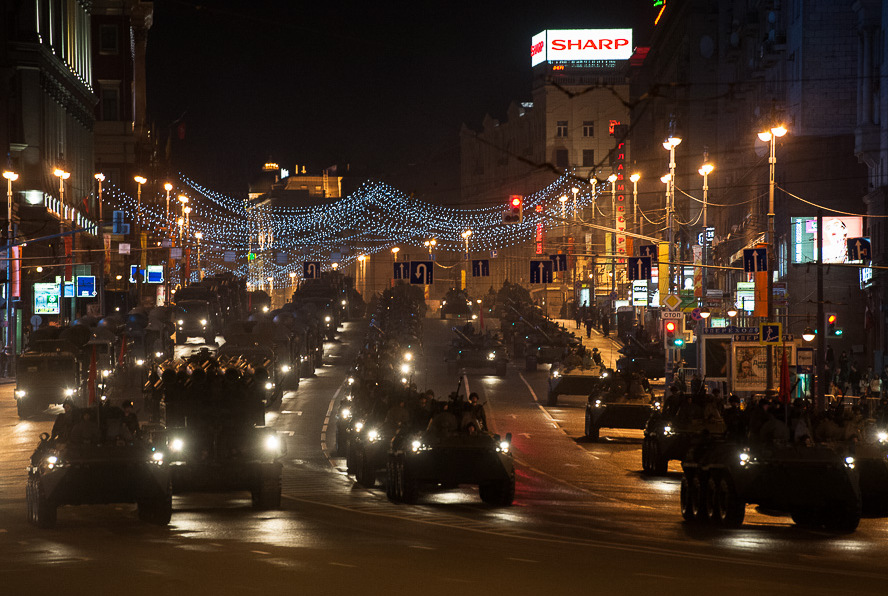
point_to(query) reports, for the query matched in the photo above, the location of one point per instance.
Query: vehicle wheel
(498, 494)
(267, 495)
(686, 500)
(349, 459)
(363, 473)
(700, 502)
(552, 399)
(339, 447)
(726, 507)
(157, 512)
(659, 462)
(805, 519)
(407, 489)
(42, 513)
(843, 519)
(24, 409)
(501, 369)
(587, 426)
(391, 479)
(646, 466)
(530, 363)
(594, 433)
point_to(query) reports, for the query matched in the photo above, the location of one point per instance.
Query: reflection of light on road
(664, 487)
(454, 497)
(745, 542)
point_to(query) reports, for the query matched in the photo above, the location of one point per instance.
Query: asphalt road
(584, 518)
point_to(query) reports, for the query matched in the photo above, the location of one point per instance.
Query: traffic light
(514, 213)
(831, 329)
(671, 336)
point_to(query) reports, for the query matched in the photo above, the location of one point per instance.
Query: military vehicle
(667, 438)
(94, 468)
(621, 401)
(483, 350)
(871, 457)
(47, 373)
(421, 460)
(457, 305)
(817, 485)
(577, 380)
(213, 416)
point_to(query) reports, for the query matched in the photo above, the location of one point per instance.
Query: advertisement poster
(749, 365)
(46, 299)
(715, 361)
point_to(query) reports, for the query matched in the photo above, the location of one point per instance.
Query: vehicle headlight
(503, 447)
(351, 380)
(327, 319)
(157, 456)
(343, 303)
(180, 322)
(491, 356)
(744, 458)
(408, 356)
(372, 435)
(359, 426)
(106, 373)
(405, 368)
(272, 443)
(285, 368)
(656, 405)
(882, 435)
(177, 445)
(158, 354)
(849, 461)
(345, 413)
(474, 317)
(264, 309)
(140, 362)
(69, 392)
(269, 385)
(598, 403)
(203, 322)
(556, 374)
(667, 430)
(20, 393)
(52, 460)
(415, 445)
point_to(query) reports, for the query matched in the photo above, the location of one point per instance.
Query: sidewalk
(607, 346)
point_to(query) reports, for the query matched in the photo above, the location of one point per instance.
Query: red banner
(69, 249)
(16, 272)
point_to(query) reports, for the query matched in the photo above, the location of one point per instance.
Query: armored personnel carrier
(213, 424)
(621, 401)
(578, 380)
(89, 466)
(477, 350)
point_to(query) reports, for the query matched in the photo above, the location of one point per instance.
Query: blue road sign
(280, 258)
(770, 333)
(648, 250)
(421, 272)
(638, 268)
(559, 262)
(859, 249)
(402, 270)
(311, 269)
(480, 268)
(86, 286)
(541, 272)
(755, 260)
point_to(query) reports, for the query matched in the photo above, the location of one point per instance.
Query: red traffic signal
(514, 213)
(670, 326)
(831, 318)
(516, 201)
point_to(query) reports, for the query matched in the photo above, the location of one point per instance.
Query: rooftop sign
(580, 45)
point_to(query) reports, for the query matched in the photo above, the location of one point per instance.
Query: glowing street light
(167, 187)
(10, 334)
(395, 251)
(635, 178)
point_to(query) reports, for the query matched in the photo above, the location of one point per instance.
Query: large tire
(407, 488)
(267, 494)
(726, 507)
(685, 500)
(24, 409)
(498, 494)
(158, 511)
(659, 462)
(364, 474)
(594, 433)
(587, 426)
(41, 511)
(700, 503)
(843, 519)
(391, 479)
(646, 466)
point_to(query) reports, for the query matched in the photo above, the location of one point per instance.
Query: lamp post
(167, 187)
(670, 144)
(466, 236)
(63, 211)
(704, 171)
(770, 136)
(563, 200)
(199, 237)
(362, 278)
(100, 177)
(636, 224)
(575, 190)
(10, 238)
(613, 181)
(395, 251)
(140, 180)
(183, 201)
(430, 245)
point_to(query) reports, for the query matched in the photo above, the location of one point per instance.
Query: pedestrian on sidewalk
(588, 322)
(605, 326)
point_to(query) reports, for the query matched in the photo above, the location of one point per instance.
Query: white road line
(327, 424)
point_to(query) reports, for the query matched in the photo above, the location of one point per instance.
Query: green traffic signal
(678, 342)
(251, 256)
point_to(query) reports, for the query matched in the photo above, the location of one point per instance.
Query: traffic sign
(755, 260)
(676, 315)
(648, 250)
(402, 271)
(695, 314)
(859, 249)
(541, 272)
(559, 262)
(770, 333)
(638, 268)
(421, 272)
(311, 269)
(672, 302)
(480, 268)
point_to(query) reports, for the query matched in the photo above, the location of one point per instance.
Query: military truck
(667, 438)
(478, 350)
(96, 468)
(817, 485)
(577, 380)
(621, 401)
(45, 374)
(213, 426)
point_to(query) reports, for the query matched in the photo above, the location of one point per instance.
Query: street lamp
(613, 180)
(183, 200)
(430, 245)
(704, 171)
(140, 180)
(395, 251)
(575, 190)
(466, 236)
(635, 178)
(292, 278)
(62, 176)
(167, 187)
(199, 237)
(808, 334)
(100, 177)
(10, 238)
(670, 144)
(770, 136)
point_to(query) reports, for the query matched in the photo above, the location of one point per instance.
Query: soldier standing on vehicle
(477, 412)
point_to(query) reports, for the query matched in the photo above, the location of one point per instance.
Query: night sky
(384, 87)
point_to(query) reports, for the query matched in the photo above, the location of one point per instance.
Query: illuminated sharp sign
(574, 45)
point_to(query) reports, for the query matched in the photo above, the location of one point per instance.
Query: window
(561, 128)
(110, 103)
(561, 160)
(588, 158)
(108, 39)
(588, 128)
